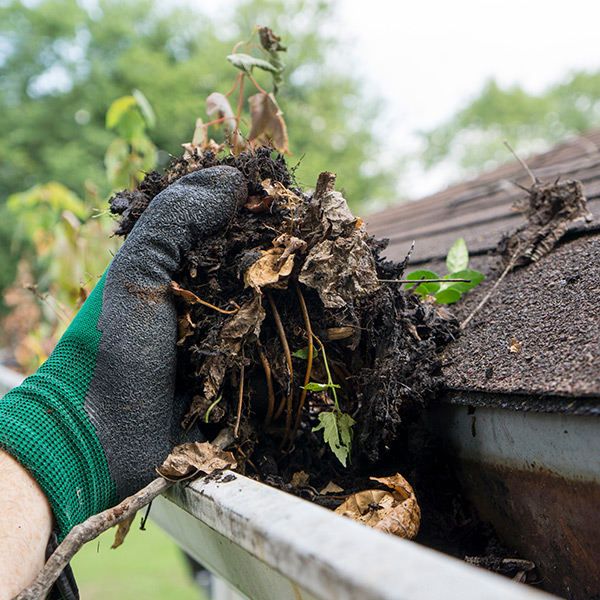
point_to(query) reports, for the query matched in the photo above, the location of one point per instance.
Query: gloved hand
(99, 415)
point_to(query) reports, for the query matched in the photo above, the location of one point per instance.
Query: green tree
(61, 67)
(472, 139)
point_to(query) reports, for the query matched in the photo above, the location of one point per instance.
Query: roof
(549, 308)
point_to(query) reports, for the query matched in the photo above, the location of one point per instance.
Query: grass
(148, 565)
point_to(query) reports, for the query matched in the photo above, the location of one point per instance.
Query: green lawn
(148, 565)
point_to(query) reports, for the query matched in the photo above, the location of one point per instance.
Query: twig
(240, 398)
(281, 331)
(267, 368)
(286, 350)
(534, 179)
(424, 280)
(86, 531)
(509, 266)
(308, 368)
(64, 317)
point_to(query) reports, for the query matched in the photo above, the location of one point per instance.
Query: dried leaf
(122, 530)
(395, 512)
(341, 266)
(258, 204)
(218, 107)
(300, 479)
(268, 271)
(515, 346)
(185, 327)
(331, 488)
(191, 458)
(268, 126)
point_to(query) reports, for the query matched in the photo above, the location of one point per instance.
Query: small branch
(534, 179)
(510, 265)
(240, 399)
(267, 368)
(86, 531)
(286, 351)
(308, 368)
(424, 280)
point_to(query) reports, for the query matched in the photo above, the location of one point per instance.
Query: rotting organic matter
(293, 274)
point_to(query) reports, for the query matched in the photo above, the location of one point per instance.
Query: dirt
(382, 345)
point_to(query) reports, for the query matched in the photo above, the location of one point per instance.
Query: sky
(427, 59)
(430, 58)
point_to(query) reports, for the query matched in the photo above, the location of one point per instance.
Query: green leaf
(117, 109)
(313, 386)
(145, 108)
(337, 433)
(246, 63)
(424, 288)
(303, 353)
(458, 256)
(476, 278)
(447, 296)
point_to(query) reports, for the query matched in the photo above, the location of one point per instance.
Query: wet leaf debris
(285, 329)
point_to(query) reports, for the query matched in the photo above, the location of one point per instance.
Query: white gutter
(270, 545)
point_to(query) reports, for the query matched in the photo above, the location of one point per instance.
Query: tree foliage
(62, 66)
(532, 123)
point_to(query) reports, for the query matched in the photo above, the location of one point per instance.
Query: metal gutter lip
(270, 545)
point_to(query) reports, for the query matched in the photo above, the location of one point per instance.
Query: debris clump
(288, 337)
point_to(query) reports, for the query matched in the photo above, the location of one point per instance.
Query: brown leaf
(395, 512)
(268, 126)
(515, 346)
(258, 204)
(299, 479)
(122, 530)
(185, 327)
(191, 458)
(331, 488)
(268, 271)
(218, 107)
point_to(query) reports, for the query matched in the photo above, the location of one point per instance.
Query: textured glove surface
(98, 417)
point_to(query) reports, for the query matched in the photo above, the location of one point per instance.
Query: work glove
(97, 418)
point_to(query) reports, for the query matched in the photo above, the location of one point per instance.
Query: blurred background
(399, 99)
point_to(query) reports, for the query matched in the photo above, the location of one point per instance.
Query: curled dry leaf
(191, 458)
(122, 530)
(268, 126)
(339, 265)
(185, 327)
(270, 270)
(395, 512)
(331, 488)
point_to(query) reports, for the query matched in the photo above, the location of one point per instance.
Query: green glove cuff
(43, 424)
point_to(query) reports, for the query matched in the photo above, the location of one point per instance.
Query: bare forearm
(25, 525)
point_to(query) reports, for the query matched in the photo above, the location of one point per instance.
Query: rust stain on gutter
(551, 520)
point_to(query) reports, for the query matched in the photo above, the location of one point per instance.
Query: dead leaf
(218, 107)
(299, 479)
(191, 458)
(185, 295)
(331, 488)
(258, 204)
(395, 512)
(268, 126)
(185, 327)
(515, 346)
(122, 530)
(268, 271)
